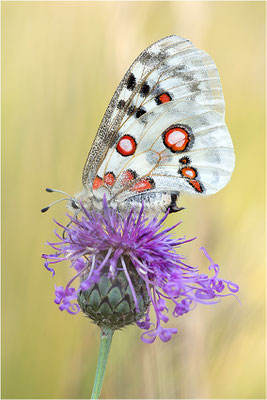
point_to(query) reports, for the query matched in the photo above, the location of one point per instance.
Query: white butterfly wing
(164, 128)
(172, 64)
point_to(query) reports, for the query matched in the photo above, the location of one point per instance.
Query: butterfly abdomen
(154, 203)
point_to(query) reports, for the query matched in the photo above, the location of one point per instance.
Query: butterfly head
(90, 201)
(84, 198)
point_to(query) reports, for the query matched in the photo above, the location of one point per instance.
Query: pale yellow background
(61, 62)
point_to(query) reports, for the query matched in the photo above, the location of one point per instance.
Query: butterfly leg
(173, 206)
(75, 216)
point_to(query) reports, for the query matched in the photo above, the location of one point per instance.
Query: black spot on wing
(140, 112)
(131, 110)
(131, 81)
(121, 104)
(185, 160)
(145, 89)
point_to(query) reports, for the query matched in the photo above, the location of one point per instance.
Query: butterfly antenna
(58, 191)
(43, 210)
(74, 203)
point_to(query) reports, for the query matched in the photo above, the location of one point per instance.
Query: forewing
(169, 71)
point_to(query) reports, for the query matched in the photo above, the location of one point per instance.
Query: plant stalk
(105, 342)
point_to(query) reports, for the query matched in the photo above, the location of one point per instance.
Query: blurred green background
(61, 62)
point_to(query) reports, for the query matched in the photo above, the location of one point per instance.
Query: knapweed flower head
(126, 266)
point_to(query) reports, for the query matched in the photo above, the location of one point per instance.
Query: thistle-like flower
(126, 266)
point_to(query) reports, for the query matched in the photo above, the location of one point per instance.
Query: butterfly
(162, 134)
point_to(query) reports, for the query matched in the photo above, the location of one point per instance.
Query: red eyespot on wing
(109, 179)
(189, 172)
(128, 176)
(176, 139)
(164, 98)
(126, 145)
(196, 185)
(143, 185)
(97, 182)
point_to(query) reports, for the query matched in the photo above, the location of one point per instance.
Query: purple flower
(101, 243)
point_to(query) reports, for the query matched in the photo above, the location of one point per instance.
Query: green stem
(106, 338)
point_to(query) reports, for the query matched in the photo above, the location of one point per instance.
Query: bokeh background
(61, 62)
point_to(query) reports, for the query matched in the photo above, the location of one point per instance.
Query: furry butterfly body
(163, 133)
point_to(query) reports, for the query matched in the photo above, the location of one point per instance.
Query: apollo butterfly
(163, 133)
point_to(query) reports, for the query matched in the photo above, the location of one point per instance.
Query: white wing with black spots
(163, 132)
(172, 65)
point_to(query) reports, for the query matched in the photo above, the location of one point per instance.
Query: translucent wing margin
(170, 70)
